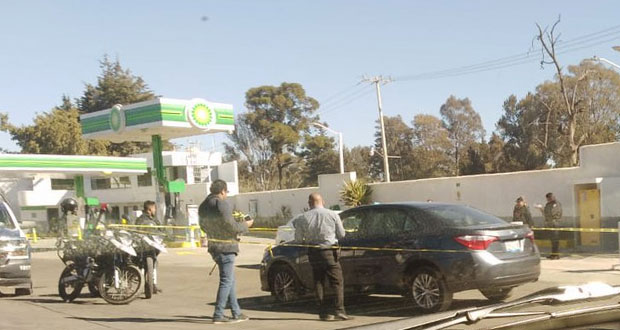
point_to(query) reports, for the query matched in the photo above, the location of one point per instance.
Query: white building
(38, 191)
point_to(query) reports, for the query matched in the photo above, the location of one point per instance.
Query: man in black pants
(322, 228)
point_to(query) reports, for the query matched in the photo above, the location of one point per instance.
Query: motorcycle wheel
(129, 284)
(148, 278)
(69, 286)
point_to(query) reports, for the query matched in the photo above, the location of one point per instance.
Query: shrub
(356, 193)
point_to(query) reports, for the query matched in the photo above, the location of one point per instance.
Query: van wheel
(497, 294)
(429, 291)
(284, 284)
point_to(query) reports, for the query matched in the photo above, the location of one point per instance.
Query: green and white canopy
(24, 165)
(168, 118)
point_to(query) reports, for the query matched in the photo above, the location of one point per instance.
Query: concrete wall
(493, 193)
(270, 203)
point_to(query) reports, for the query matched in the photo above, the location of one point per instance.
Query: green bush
(356, 193)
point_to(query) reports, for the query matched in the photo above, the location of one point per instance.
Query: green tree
(358, 160)
(279, 116)
(319, 156)
(55, 132)
(464, 127)
(431, 147)
(399, 141)
(115, 85)
(522, 128)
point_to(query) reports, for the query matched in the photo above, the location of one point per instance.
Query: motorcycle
(101, 261)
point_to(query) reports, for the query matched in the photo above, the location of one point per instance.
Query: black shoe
(239, 318)
(342, 317)
(326, 317)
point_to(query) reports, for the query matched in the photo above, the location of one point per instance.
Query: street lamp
(600, 59)
(340, 147)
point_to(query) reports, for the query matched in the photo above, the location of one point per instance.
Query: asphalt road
(189, 293)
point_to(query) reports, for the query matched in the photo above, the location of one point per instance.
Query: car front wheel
(284, 284)
(429, 291)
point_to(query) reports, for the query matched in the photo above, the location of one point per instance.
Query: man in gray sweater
(322, 228)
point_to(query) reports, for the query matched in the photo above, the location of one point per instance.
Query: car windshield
(5, 217)
(462, 216)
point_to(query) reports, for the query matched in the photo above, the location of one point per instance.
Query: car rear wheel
(284, 284)
(497, 294)
(429, 291)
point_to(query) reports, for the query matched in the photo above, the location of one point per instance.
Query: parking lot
(189, 293)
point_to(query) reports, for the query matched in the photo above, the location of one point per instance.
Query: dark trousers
(326, 269)
(555, 243)
(555, 239)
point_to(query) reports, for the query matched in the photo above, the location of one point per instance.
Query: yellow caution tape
(585, 230)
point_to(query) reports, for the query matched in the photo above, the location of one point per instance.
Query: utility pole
(378, 80)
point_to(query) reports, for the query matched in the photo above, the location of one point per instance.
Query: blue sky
(51, 48)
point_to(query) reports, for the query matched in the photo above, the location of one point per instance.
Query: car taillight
(530, 235)
(476, 242)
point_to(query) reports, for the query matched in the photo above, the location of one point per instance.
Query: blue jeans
(226, 291)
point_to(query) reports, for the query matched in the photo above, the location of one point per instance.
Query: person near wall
(521, 213)
(148, 218)
(216, 219)
(321, 228)
(553, 214)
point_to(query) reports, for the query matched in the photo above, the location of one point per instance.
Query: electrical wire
(352, 98)
(578, 43)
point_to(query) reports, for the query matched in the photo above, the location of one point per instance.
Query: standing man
(322, 228)
(522, 213)
(216, 219)
(147, 218)
(553, 214)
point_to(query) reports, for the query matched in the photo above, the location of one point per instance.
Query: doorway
(589, 204)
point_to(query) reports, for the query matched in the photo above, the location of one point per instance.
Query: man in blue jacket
(217, 220)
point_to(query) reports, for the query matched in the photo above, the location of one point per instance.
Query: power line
(352, 98)
(563, 47)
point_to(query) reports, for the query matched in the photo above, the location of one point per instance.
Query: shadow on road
(255, 266)
(197, 320)
(374, 305)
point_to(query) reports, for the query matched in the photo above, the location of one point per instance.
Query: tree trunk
(574, 147)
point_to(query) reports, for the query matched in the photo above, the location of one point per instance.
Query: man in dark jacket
(553, 215)
(147, 218)
(216, 219)
(521, 213)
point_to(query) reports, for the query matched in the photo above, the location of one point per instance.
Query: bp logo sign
(117, 118)
(199, 114)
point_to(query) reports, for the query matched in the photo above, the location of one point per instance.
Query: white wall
(493, 193)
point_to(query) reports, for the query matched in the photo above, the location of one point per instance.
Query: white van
(15, 252)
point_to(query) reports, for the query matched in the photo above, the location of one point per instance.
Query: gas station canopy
(24, 165)
(168, 118)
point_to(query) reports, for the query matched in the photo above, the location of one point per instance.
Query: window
(383, 223)
(110, 183)
(146, 179)
(5, 217)
(352, 220)
(63, 184)
(462, 216)
(99, 183)
(120, 182)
